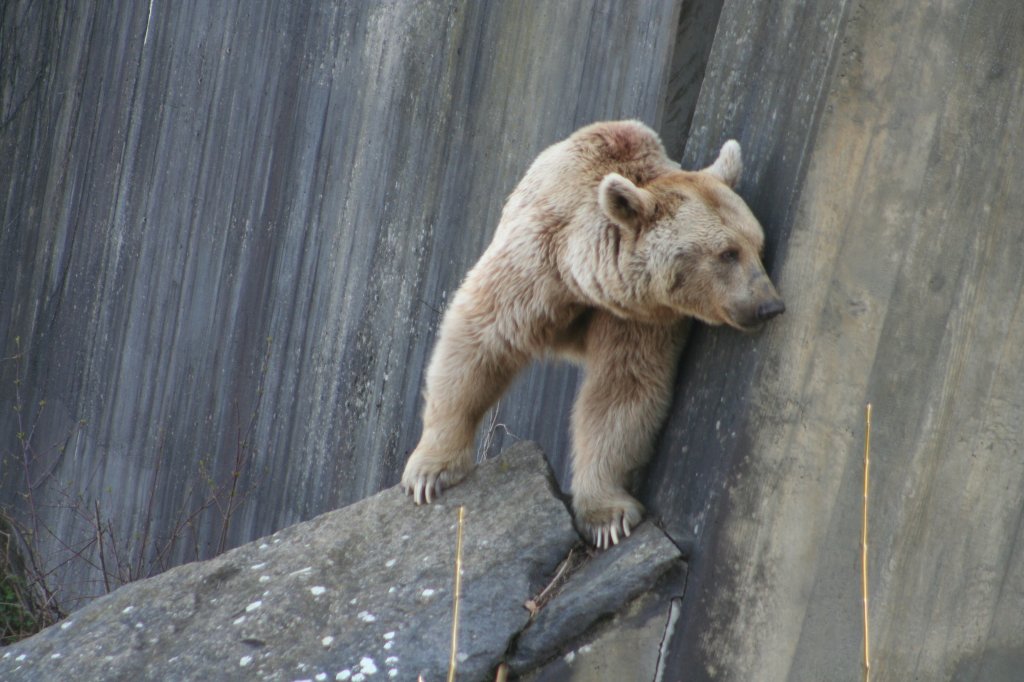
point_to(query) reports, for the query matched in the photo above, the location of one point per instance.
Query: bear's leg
(469, 370)
(627, 386)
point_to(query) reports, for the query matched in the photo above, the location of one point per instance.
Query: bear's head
(694, 247)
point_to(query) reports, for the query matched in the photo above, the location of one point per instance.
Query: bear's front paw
(424, 479)
(609, 521)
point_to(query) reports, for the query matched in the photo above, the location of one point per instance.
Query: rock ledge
(361, 593)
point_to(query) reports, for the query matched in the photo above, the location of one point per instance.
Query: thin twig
(236, 471)
(458, 590)
(147, 522)
(864, 543)
(122, 563)
(567, 566)
(99, 541)
(73, 554)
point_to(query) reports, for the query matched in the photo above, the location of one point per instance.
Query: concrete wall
(231, 222)
(884, 148)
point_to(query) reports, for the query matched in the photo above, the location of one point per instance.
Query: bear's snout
(756, 306)
(769, 309)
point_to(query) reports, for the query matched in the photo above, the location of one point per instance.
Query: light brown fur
(602, 249)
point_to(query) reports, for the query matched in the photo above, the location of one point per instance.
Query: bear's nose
(770, 309)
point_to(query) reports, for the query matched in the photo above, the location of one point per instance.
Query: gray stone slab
(597, 590)
(363, 590)
(633, 645)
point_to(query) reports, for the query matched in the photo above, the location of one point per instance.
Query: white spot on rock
(343, 675)
(388, 645)
(427, 593)
(392, 589)
(57, 655)
(244, 661)
(366, 616)
(264, 578)
(390, 562)
(570, 657)
(66, 624)
(367, 666)
(327, 641)
(389, 635)
(358, 677)
(128, 609)
(318, 590)
(320, 677)
(264, 546)
(256, 567)
(391, 660)
(239, 620)
(307, 569)
(20, 658)
(393, 672)
(253, 606)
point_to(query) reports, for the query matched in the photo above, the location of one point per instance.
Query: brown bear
(603, 248)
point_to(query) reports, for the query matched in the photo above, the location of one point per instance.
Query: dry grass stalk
(864, 543)
(565, 569)
(455, 600)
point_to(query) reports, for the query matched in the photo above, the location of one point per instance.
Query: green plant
(18, 615)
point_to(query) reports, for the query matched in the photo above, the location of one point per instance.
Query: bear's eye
(729, 256)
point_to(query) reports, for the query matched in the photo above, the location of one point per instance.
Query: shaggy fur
(602, 249)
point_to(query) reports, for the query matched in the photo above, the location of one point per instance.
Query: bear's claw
(424, 479)
(425, 490)
(607, 535)
(607, 524)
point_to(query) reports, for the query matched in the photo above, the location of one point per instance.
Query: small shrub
(33, 553)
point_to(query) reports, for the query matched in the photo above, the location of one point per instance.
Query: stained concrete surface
(883, 142)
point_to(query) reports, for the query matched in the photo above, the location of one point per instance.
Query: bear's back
(628, 148)
(562, 181)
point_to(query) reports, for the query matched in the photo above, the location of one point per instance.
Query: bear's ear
(729, 164)
(623, 202)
